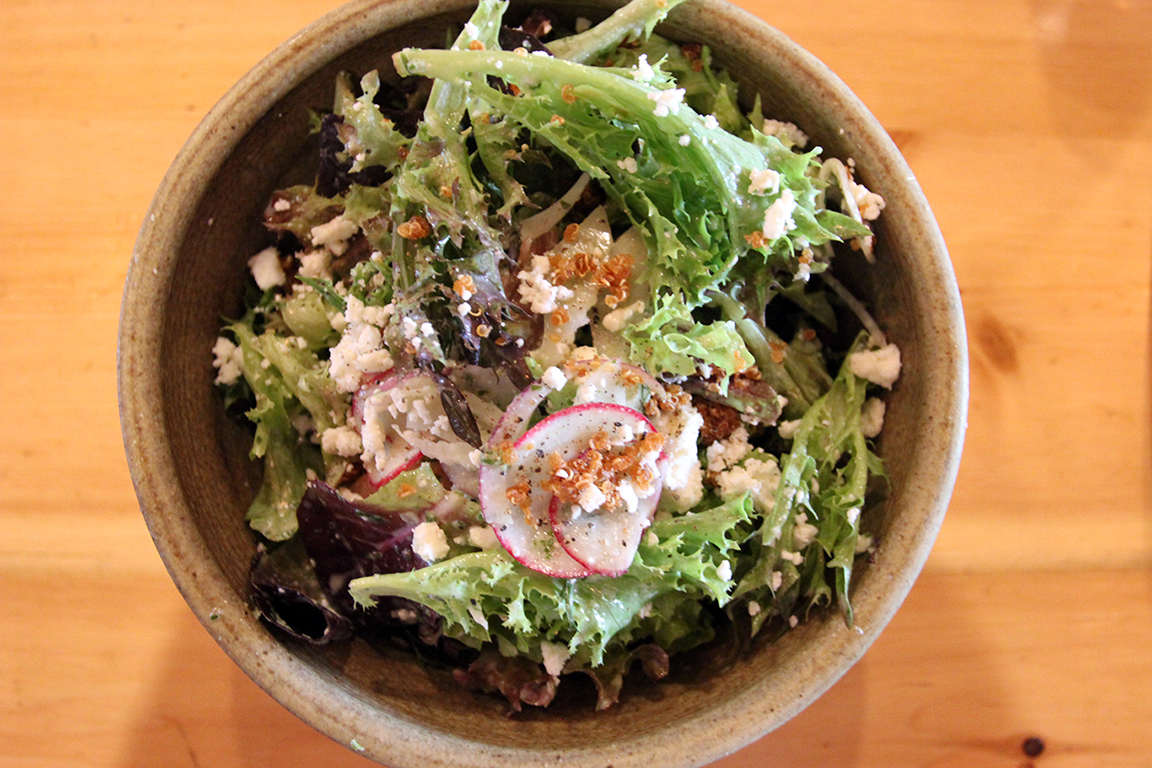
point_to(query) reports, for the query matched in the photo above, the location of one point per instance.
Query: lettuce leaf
(487, 596)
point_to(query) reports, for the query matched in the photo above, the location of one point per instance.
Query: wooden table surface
(1029, 125)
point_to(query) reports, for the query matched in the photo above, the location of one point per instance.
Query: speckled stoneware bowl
(193, 479)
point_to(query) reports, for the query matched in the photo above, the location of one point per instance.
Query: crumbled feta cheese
(753, 607)
(317, 264)
(483, 537)
(535, 290)
(359, 351)
(643, 72)
(582, 24)
(266, 269)
(804, 533)
(685, 140)
(464, 309)
(667, 101)
(724, 571)
(868, 203)
(591, 498)
(724, 454)
(879, 366)
(228, 362)
(427, 329)
(761, 478)
(711, 123)
(793, 557)
(555, 656)
(793, 621)
(872, 417)
(554, 378)
(615, 320)
(778, 217)
(341, 441)
(586, 393)
(429, 542)
(334, 234)
(787, 429)
(627, 164)
(786, 132)
(763, 181)
(471, 30)
(281, 205)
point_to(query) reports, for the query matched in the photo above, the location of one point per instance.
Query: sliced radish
(390, 454)
(514, 497)
(604, 541)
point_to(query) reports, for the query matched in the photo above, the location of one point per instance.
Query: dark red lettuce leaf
(288, 596)
(346, 540)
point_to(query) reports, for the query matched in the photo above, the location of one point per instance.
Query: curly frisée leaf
(488, 595)
(692, 201)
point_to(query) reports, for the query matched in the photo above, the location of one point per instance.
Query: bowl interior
(190, 466)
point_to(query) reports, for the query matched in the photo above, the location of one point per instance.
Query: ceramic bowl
(192, 477)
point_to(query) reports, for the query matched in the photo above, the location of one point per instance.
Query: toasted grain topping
(568, 93)
(778, 349)
(415, 228)
(476, 45)
(605, 466)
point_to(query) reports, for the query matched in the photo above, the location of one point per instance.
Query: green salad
(548, 370)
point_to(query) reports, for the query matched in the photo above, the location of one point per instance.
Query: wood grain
(1029, 125)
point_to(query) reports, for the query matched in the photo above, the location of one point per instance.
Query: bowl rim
(313, 696)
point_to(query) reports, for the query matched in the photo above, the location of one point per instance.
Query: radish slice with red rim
(386, 453)
(515, 496)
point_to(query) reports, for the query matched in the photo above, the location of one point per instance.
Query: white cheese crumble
(778, 217)
(429, 542)
(341, 441)
(359, 351)
(868, 203)
(777, 581)
(711, 123)
(759, 477)
(643, 72)
(591, 498)
(872, 417)
(554, 378)
(229, 359)
(724, 454)
(535, 290)
(762, 181)
(787, 429)
(793, 557)
(266, 269)
(667, 102)
(879, 366)
(685, 140)
(471, 30)
(627, 164)
(555, 656)
(334, 234)
(316, 264)
(724, 571)
(785, 131)
(804, 533)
